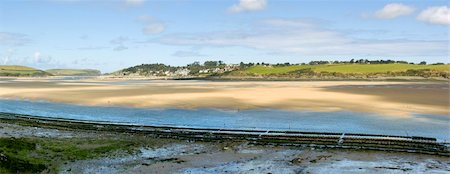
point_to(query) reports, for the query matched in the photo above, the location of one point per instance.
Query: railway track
(416, 144)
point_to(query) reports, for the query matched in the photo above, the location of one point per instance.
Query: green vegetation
(34, 155)
(23, 71)
(147, 69)
(343, 68)
(74, 72)
(353, 69)
(266, 70)
(361, 68)
(14, 156)
(346, 70)
(378, 68)
(40, 154)
(193, 69)
(14, 70)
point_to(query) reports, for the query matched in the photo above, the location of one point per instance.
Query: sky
(113, 34)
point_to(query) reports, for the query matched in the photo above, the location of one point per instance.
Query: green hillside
(343, 68)
(16, 71)
(347, 70)
(379, 68)
(266, 70)
(74, 72)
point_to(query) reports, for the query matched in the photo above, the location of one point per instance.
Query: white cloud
(273, 35)
(248, 5)
(394, 10)
(301, 38)
(134, 2)
(435, 15)
(152, 25)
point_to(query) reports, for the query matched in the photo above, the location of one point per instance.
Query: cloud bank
(299, 37)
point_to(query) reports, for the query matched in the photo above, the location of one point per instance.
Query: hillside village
(195, 69)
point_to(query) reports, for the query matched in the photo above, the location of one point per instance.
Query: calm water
(345, 122)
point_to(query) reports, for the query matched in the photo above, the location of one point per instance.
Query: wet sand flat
(389, 98)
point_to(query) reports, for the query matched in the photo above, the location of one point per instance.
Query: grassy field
(31, 154)
(74, 72)
(343, 68)
(14, 70)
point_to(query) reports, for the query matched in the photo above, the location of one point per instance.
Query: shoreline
(243, 78)
(134, 152)
(180, 132)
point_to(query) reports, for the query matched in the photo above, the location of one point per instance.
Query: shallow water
(344, 122)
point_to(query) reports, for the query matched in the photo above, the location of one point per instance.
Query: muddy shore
(139, 153)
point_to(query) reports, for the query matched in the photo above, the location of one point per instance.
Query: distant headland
(218, 70)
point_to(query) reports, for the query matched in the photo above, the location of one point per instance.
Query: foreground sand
(388, 98)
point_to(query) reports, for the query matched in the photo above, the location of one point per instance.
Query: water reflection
(348, 122)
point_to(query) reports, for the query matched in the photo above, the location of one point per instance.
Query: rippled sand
(389, 98)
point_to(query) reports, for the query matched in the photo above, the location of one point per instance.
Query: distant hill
(74, 72)
(195, 69)
(21, 71)
(345, 70)
(359, 69)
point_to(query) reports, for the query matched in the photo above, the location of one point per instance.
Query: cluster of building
(184, 71)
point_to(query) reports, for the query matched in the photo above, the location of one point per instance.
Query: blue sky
(112, 34)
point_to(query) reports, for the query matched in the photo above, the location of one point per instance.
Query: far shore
(238, 78)
(383, 97)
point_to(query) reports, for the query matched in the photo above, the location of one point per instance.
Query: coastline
(242, 78)
(105, 151)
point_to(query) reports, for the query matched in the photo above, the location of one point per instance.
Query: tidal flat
(393, 108)
(34, 148)
(396, 99)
